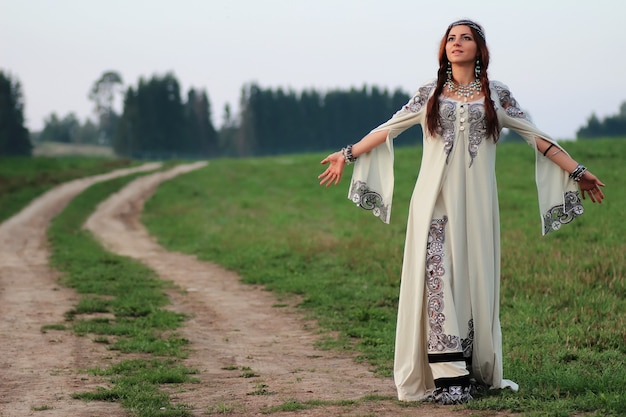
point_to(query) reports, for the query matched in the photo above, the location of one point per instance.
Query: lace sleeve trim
(563, 213)
(364, 197)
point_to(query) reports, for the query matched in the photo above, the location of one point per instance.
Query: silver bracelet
(578, 172)
(553, 153)
(347, 154)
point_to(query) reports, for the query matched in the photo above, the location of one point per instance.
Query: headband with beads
(471, 24)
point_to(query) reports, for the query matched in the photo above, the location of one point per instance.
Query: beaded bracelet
(347, 154)
(578, 172)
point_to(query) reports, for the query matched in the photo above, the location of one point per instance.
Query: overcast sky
(562, 59)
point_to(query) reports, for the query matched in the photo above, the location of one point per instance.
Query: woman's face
(460, 46)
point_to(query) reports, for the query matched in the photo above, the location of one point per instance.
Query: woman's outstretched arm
(588, 183)
(337, 162)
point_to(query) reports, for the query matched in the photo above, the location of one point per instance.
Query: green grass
(122, 305)
(42, 408)
(563, 296)
(22, 179)
(136, 383)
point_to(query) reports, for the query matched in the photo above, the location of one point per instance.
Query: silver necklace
(463, 91)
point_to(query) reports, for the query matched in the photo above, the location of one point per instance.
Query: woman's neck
(463, 74)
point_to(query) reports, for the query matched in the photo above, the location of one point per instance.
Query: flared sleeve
(559, 199)
(371, 187)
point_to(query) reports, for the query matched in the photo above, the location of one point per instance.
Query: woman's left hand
(590, 184)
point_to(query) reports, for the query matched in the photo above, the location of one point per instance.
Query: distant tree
(14, 138)
(103, 94)
(201, 137)
(615, 126)
(124, 141)
(63, 130)
(593, 128)
(88, 133)
(245, 138)
(311, 118)
(226, 141)
(610, 126)
(156, 123)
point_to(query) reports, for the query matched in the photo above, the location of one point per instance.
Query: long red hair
(433, 122)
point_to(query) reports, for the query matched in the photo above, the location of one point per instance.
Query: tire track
(39, 370)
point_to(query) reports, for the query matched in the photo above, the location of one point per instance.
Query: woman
(448, 340)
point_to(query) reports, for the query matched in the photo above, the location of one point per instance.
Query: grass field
(563, 299)
(563, 296)
(23, 179)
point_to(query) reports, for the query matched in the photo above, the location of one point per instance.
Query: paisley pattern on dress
(364, 197)
(447, 110)
(438, 341)
(563, 213)
(508, 103)
(419, 100)
(477, 129)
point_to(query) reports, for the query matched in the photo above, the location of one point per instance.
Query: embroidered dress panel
(447, 306)
(478, 129)
(438, 340)
(447, 110)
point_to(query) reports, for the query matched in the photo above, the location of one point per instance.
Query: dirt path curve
(38, 370)
(236, 325)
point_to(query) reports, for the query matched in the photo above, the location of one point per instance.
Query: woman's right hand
(332, 175)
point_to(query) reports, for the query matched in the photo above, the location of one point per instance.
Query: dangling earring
(477, 68)
(449, 83)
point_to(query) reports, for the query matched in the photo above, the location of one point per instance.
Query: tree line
(610, 126)
(156, 122)
(275, 121)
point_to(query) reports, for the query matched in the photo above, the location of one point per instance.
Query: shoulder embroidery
(418, 101)
(508, 103)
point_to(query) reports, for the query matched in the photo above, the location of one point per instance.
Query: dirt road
(38, 370)
(233, 327)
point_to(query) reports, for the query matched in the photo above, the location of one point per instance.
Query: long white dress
(448, 327)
